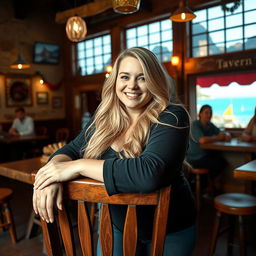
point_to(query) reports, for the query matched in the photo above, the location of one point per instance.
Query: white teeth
(132, 94)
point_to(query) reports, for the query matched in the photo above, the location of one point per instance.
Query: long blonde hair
(111, 118)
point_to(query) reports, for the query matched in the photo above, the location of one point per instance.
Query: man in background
(22, 124)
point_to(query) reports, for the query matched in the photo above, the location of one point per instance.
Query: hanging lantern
(183, 13)
(76, 29)
(20, 63)
(126, 6)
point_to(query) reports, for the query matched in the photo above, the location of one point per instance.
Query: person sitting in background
(22, 124)
(249, 134)
(204, 131)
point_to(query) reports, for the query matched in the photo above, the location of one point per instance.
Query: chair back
(62, 134)
(86, 191)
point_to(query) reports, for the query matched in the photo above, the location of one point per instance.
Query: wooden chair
(62, 134)
(86, 190)
(233, 204)
(7, 222)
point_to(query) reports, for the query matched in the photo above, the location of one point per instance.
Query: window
(215, 31)
(232, 97)
(93, 55)
(155, 36)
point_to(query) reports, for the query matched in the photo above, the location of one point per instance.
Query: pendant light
(20, 63)
(126, 6)
(183, 13)
(76, 29)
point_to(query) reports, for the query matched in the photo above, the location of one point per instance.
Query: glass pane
(89, 53)
(142, 30)
(202, 51)
(131, 43)
(131, 33)
(250, 17)
(249, 5)
(107, 59)
(234, 46)
(107, 39)
(199, 40)
(167, 47)
(216, 24)
(98, 60)
(89, 62)
(107, 49)
(82, 71)
(230, 5)
(216, 37)
(250, 43)
(199, 28)
(154, 48)
(195, 52)
(250, 31)
(81, 63)
(234, 33)
(142, 40)
(234, 20)
(216, 49)
(167, 35)
(88, 44)
(200, 16)
(80, 46)
(215, 12)
(154, 38)
(166, 24)
(154, 27)
(97, 41)
(89, 70)
(98, 50)
(81, 55)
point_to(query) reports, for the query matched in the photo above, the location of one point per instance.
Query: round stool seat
(199, 170)
(236, 203)
(5, 193)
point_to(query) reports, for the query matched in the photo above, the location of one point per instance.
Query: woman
(249, 134)
(204, 131)
(136, 142)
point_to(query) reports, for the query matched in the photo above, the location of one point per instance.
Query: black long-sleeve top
(159, 165)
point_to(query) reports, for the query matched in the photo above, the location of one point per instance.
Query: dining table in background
(246, 171)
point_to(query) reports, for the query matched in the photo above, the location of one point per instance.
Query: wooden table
(246, 171)
(21, 170)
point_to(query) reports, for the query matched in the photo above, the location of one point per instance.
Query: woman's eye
(141, 78)
(124, 77)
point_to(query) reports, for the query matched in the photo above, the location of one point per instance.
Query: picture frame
(57, 102)
(46, 53)
(18, 91)
(42, 98)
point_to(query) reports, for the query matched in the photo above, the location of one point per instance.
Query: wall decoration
(56, 102)
(45, 53)
(42, 98)
(18, 91)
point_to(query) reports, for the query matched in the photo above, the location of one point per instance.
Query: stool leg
(231, 234)
(215, 232)
(198, 191)
(9, 219)
(241, 236)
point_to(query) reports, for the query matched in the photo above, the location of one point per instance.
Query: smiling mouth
(132, 95)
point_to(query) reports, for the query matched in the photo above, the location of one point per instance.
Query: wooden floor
(22, 205)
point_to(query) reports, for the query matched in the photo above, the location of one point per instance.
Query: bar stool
(7, 222)
(234, 204)
(198, 172)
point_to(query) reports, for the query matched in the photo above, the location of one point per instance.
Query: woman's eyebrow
(125, 73)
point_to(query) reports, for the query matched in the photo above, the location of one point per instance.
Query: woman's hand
(44, 200)
(54, 172)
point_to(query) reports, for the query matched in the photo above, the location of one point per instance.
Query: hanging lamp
(20, 63)
(126, 6)
(76, 29)
(183, 13)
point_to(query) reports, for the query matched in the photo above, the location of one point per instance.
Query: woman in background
(249, 134)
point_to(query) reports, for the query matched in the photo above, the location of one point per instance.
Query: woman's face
(205, 116)
(131, 87)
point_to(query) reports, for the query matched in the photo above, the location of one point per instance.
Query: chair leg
(231, 234)
(241, 236)
(215, 232)
(9, 219)
(198, 191)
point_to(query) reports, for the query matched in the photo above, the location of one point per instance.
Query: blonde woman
(136, 142)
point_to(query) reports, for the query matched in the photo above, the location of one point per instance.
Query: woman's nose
(132, 84)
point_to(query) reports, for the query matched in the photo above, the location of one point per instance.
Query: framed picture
(45, 53)
(42, 98)
(18, 91)
(56, 102)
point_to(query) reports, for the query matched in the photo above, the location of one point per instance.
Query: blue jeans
(179, 243)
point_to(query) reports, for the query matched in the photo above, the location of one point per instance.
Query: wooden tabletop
(246, 171)
(21, 170)
(15, 139)
(233, 145)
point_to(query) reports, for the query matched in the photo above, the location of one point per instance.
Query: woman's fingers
(35, 201)
(45, 183)
(49, 209)
(59, 197)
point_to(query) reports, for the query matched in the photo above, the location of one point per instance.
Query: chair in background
(235, 205)
(62, 134)
(96, 193)
(7, 220)
(41, 130)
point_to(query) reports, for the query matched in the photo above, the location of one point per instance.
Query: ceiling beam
(86, 10)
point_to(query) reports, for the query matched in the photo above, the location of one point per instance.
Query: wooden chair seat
(7, 220)
(86, 190)
(233, 204)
